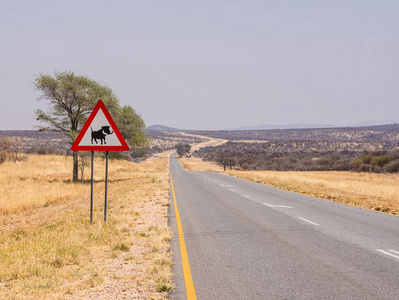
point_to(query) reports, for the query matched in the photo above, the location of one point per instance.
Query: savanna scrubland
(50, 250)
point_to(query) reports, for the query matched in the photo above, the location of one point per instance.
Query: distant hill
(284, 126)
(312, 126)
(163, 128)
(375, 123)
(380, 133)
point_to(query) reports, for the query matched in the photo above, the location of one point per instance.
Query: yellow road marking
(184, 257)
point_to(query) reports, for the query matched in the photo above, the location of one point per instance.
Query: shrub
(6, 144)
(3, 157)
(378, 169)
(323, 161)
(364, 159)
(392, 167)
(365, 168)
(381, 160)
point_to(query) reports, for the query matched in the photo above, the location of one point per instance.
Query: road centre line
(313, 223)
(190, 291)
(390, 253)
(246, 196)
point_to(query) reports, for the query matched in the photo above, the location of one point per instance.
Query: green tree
(131, 126)
(71, 98)
(225, 159)
(182, 149)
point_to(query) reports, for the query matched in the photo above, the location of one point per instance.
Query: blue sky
(209, 64)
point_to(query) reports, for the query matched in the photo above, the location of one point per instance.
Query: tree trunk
(75, 166)
(82, 173)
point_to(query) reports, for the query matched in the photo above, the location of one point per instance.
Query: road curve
(249, 241)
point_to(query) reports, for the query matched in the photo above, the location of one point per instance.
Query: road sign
(100, 133)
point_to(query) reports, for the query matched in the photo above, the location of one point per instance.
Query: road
(249, 241)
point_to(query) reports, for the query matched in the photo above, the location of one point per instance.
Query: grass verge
(48, 248)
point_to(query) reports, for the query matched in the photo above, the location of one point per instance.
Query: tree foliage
(71, 98)
(182, 149)
(225, 159)
(131, 126)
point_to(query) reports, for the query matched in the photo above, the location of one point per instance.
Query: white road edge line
(393, 251)
(313, 223)
(388, 253)
(277, 206)
(246, 196)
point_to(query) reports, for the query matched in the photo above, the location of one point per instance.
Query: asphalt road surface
(249, 241)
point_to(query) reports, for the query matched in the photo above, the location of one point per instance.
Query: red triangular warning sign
(100, 133)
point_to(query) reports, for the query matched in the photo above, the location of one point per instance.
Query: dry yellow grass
(197, 164)
(50, 251)
(34, 183)
(371, 191)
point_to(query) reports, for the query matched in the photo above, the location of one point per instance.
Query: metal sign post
(91, 194)
(106, 186)
(99, 133)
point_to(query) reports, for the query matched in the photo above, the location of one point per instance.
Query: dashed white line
(277, 206)
(246, 196)
(306, 220)
(390, 253)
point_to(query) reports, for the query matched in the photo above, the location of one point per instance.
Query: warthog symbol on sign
(100, 134)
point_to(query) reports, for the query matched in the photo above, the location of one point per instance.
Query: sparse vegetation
(288, 156)
(386, 135)
(50, 251)
(363, 149)
(10, 149)
(47, 142)
(166, 140)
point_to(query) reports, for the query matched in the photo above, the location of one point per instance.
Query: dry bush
(3, 156)
(6, 143)
(5, 148)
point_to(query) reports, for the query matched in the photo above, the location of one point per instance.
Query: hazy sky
(209, 64)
